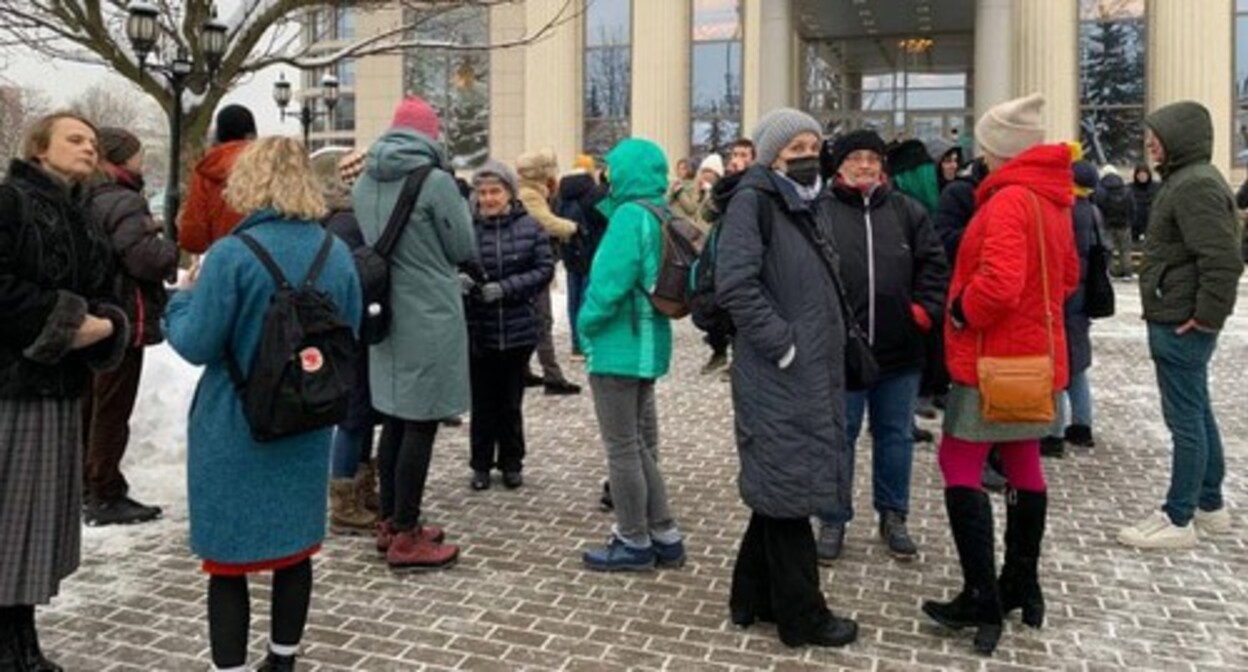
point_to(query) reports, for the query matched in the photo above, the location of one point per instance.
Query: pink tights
(962, 463)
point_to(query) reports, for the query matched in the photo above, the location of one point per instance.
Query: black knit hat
(117, 145)
(907, 156)
(234, 122)
(854, 141)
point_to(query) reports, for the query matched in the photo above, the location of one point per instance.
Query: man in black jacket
(895, 279)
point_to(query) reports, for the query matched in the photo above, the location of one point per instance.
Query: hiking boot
(366, 487)
(512, 479)
(480, 480)
(605, 502)
(1213, 522)
(834, 632)
(276, 663)
(1053, 446)
(123, 511)
(718, 360)
(412, 551)
(618, 556)
(1080, 435)
(668, 556)
(346, 516)
(560, 388)
(893, 532)
(385, 535)
(831, 542)
(1158, 531)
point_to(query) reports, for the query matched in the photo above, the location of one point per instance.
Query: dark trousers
(936, 378)
(497, 408)
(106, 414)
(777, 576)
(229, 612)
(719, 342)
(405, 451)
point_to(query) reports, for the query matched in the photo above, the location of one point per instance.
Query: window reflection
(716, 76)
(1241, 83)
(1112, 43)
(608, 70)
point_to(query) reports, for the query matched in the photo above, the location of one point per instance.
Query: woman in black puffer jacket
(514, 264)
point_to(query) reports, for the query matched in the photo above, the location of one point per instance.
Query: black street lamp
(307, 108)
(143, 30)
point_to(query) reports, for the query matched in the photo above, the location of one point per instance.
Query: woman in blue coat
(255, 506)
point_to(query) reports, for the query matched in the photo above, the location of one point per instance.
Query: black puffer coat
(577, 200)
(144, 258)
(514, 251)
(1078, 324)
(56, 267)
(956, 207)
(890, 259)
(790, 422)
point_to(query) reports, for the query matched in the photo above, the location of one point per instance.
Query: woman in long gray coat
(788, 380)
(419, 374)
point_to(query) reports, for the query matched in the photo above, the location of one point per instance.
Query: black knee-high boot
(978, 605)
(1019, 584)
(8, 640)
(31, 658)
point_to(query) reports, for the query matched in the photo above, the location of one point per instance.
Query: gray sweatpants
(628, 421)
(1121, 240)
(551, 373)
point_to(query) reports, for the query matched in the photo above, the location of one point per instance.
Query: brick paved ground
(520, 599)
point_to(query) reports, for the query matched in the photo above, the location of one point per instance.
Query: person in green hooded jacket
(1189, 280)
(628, 346)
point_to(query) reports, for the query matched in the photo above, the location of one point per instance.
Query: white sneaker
(1156, 531)
(1213, 522)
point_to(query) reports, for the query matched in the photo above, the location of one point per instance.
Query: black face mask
(804, 170)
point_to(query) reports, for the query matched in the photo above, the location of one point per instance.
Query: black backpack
(708, 315)
(578, 251)
(672, 294)
(372, 262)
(303, 370)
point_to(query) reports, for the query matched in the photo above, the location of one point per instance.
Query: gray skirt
(40, 497)
(964, 420)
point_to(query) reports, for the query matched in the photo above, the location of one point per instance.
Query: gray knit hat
(498, 170)
(777, 128)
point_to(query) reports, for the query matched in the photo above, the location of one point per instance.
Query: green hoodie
(1191, 264)
(620, 332)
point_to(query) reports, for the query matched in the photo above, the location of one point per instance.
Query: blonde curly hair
(275, 173)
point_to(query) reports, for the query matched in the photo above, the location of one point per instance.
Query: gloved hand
(491, 292)
(466, 283)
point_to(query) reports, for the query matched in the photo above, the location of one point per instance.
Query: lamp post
(143, 30)
(307, 108)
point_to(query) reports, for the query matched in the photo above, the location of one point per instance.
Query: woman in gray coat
(788, 380)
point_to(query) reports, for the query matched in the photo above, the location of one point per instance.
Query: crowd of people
(857, 280)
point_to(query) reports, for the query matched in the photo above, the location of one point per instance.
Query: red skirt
(229, 569)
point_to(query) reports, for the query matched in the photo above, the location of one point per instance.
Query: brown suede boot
(410, 551)
(346, 516)
(366, 487)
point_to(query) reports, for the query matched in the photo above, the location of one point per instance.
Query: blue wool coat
(251, 502)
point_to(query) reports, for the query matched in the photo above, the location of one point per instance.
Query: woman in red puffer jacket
(997, 308)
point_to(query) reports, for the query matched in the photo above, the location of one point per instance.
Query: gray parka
(790, 422)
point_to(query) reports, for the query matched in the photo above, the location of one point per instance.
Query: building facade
(695, 74)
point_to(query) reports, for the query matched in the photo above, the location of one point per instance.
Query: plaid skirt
(40, 497)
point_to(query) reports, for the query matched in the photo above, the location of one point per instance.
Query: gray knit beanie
(777, 129)
(495, 169)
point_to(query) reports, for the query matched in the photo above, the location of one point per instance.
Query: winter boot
(978, 605)
(8, 639)
(1019, 584)
(276, 663)
(30, 656)
(366, 487)
(413, 551)
(384, 532)
(346, 516)
(1080, 435)
(1053, 446)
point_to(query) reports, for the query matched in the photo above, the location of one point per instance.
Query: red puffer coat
(997, 279)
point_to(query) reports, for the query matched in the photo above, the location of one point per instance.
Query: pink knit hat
(416, 114)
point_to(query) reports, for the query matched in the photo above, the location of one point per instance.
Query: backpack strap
(318, 264)
(266, 259)
(402, 211)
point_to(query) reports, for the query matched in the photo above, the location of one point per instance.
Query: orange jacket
(205, 217)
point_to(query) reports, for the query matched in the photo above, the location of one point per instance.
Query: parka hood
(218, 161)
(1185, 131)
(1043, 169)
(638, 171)
(1113, 183)
(400, 151)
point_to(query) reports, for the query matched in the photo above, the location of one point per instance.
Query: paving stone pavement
(519, 598)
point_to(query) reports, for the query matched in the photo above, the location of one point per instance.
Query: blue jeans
(1075, 404)
(890, 403)
(1198, 465)
(577, 284)
(348, 450)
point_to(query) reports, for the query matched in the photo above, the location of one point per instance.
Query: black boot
(276, 663)
(8, 640)
(1019, 584)
(30, 656)
(970, 517)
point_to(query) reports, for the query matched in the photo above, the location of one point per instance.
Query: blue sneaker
(668, 556)
(618, 556)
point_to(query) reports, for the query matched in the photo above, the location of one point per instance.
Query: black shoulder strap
(810, 231)
(266, 259)
(402, 211)
(318, 264)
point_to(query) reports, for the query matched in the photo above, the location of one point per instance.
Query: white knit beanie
(713, 163)
(777, 129)
(1010, 128)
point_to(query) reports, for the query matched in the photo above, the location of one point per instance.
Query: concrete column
(507, 75)
(1046, 60)
(777, 59)
(994, 53)
(552, 84)
(379, 81)
(751, 63)
(1190, 55)
(661, 78)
